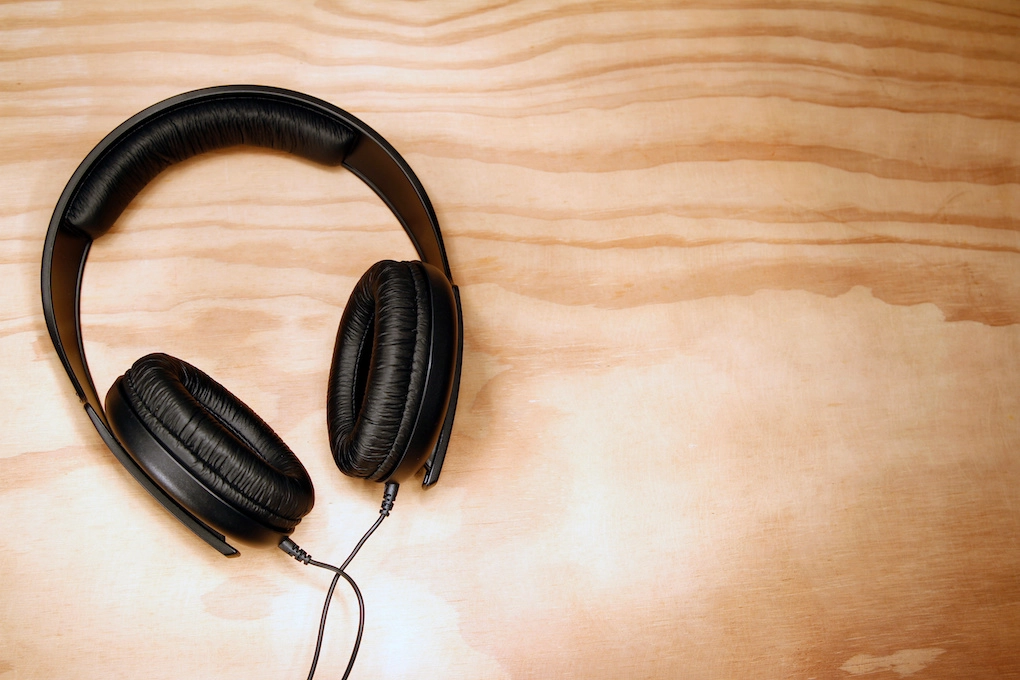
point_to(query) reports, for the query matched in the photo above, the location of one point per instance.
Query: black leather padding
(221, 441)
(191, 129)
(380, 363)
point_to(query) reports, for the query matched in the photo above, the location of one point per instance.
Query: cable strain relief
(389, 496)
(294, 550)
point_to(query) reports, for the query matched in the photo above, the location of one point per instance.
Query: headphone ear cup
(220, 460)
(380, 364)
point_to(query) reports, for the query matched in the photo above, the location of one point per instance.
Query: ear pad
(379, 370)
(221, 442)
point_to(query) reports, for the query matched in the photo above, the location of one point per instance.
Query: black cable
(292, 549)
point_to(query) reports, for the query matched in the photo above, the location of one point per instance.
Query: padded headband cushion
(186, 131)
(380, 364)
(224, 444)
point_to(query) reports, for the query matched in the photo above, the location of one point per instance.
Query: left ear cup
(379, 369)
(191, 434)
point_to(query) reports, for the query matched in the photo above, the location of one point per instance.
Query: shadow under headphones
(201, 452)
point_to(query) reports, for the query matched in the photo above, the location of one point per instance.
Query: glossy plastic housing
(443, 349)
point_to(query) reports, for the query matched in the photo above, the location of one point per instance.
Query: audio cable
(295, 551)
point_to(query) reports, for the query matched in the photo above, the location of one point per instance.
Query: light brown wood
(742, 288)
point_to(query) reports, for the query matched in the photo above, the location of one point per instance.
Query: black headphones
(201, 452)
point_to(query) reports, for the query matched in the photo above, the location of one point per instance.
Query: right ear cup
(378, 374)
(208, 450)
(393, 371)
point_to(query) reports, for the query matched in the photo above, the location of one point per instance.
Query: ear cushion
(380, 364)
(221, 441)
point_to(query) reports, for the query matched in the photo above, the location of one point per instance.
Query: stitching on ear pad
(221, 441)
(380, 363)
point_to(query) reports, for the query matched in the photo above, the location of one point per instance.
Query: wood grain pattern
(742, 298)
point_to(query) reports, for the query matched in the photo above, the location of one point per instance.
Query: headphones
(201, 452)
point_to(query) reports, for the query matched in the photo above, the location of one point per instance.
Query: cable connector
(294, 550)
(389, 495)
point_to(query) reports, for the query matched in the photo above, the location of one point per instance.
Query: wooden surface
(740, 392)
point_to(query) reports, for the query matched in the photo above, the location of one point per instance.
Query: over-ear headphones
(202, 453)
